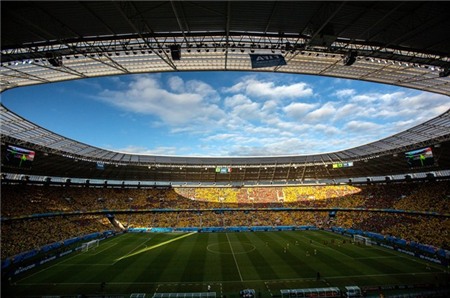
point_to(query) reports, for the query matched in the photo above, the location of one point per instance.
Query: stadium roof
(63, 157)
(399, 43)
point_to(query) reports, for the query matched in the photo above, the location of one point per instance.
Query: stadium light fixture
(175, 51)
(444, 72)
(55, 61)
(349, 58)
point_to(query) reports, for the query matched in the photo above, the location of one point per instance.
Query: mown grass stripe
(188, 264)
(154, 246)
(234, 257)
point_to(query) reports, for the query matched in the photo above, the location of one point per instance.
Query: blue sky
(223, 113)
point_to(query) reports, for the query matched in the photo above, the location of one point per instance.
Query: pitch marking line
(76, 254)
(381, 257)
(317, 243)
(203, 285)
(130, 254)
(273, 281)
(42, 270)
(268, 288)
(134, 249)
(97, 251)
(234, 257)
(83, 264)
(210, 249)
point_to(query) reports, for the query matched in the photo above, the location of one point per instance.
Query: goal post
(361, 239)
(90, 245)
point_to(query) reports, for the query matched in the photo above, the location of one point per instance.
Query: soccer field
(227, 262)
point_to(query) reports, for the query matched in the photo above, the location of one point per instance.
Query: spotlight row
(175, 51)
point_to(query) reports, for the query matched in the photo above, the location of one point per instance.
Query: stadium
(368, 221)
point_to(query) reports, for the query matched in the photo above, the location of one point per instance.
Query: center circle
(231, 248)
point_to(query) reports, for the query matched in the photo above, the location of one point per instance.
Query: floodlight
(349, 58)
(175, 51)
(55, 61)
(444, 72)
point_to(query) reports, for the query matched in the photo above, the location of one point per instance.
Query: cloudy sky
(223, 113)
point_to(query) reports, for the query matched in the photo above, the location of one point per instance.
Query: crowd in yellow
(196, 207)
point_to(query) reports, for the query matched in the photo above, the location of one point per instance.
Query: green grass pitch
(228, 262)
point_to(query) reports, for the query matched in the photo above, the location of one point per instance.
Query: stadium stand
(396, 43)
(40, 209)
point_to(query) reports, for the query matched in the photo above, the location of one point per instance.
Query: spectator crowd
(222, 207)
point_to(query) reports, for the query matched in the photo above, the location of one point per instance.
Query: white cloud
(402, 125)
(176, 84)
(327, 129)
(268, 90)
(343, 93)
(351, 110)
(322, 114)
(363, 98)
(236, 100)
(424, 101)
(144, 95)
(269, 106)
(263, 131)
(221, 137)
(269, 147)
(261, 117)
(298, 109)
(242, 107)
(401, 105)
(390, 97)
(203, 89)
(163, 150)
(362, 126)
(281, 125)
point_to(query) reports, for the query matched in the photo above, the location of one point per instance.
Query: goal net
(90, 245)
(362, 240)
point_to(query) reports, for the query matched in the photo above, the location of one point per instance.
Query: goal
(90, 245)
(362, 240)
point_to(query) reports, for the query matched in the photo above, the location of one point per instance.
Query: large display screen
(100, 165)
(18, 157)
(420, 157)
(223, 170)
(343, 165)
